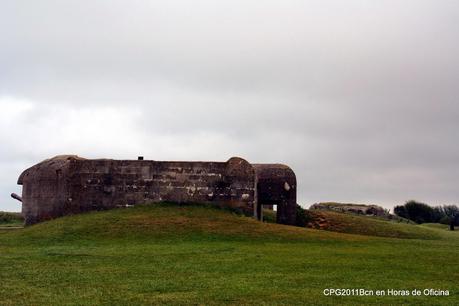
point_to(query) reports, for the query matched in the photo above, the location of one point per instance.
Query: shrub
(416, 211)
(447, 213)
(421, 213)
(302, 216)
(445, 220)
(401, 211)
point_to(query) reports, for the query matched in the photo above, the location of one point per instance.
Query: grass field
(10, 220)
(201, 255)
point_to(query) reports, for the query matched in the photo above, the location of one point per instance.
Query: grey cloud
(360, 98)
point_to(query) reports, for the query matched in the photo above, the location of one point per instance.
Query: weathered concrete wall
(276, 185)
(69, 184)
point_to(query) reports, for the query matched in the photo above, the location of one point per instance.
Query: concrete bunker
(276, 185)
(68, 184)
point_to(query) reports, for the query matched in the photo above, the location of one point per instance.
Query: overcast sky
(360, 98)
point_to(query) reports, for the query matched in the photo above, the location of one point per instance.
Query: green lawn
(200, 255)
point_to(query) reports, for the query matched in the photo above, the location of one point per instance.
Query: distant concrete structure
(359, 209)
(68, 184)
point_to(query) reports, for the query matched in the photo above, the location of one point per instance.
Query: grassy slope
(436, 225)
(372, 226)
(189, 255)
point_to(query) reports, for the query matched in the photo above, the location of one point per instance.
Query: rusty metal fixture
(16, 197)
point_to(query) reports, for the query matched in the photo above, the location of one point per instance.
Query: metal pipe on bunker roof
(16, 197)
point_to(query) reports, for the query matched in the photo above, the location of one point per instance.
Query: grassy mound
(367, 225)
(201, 255)
(160, 222)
